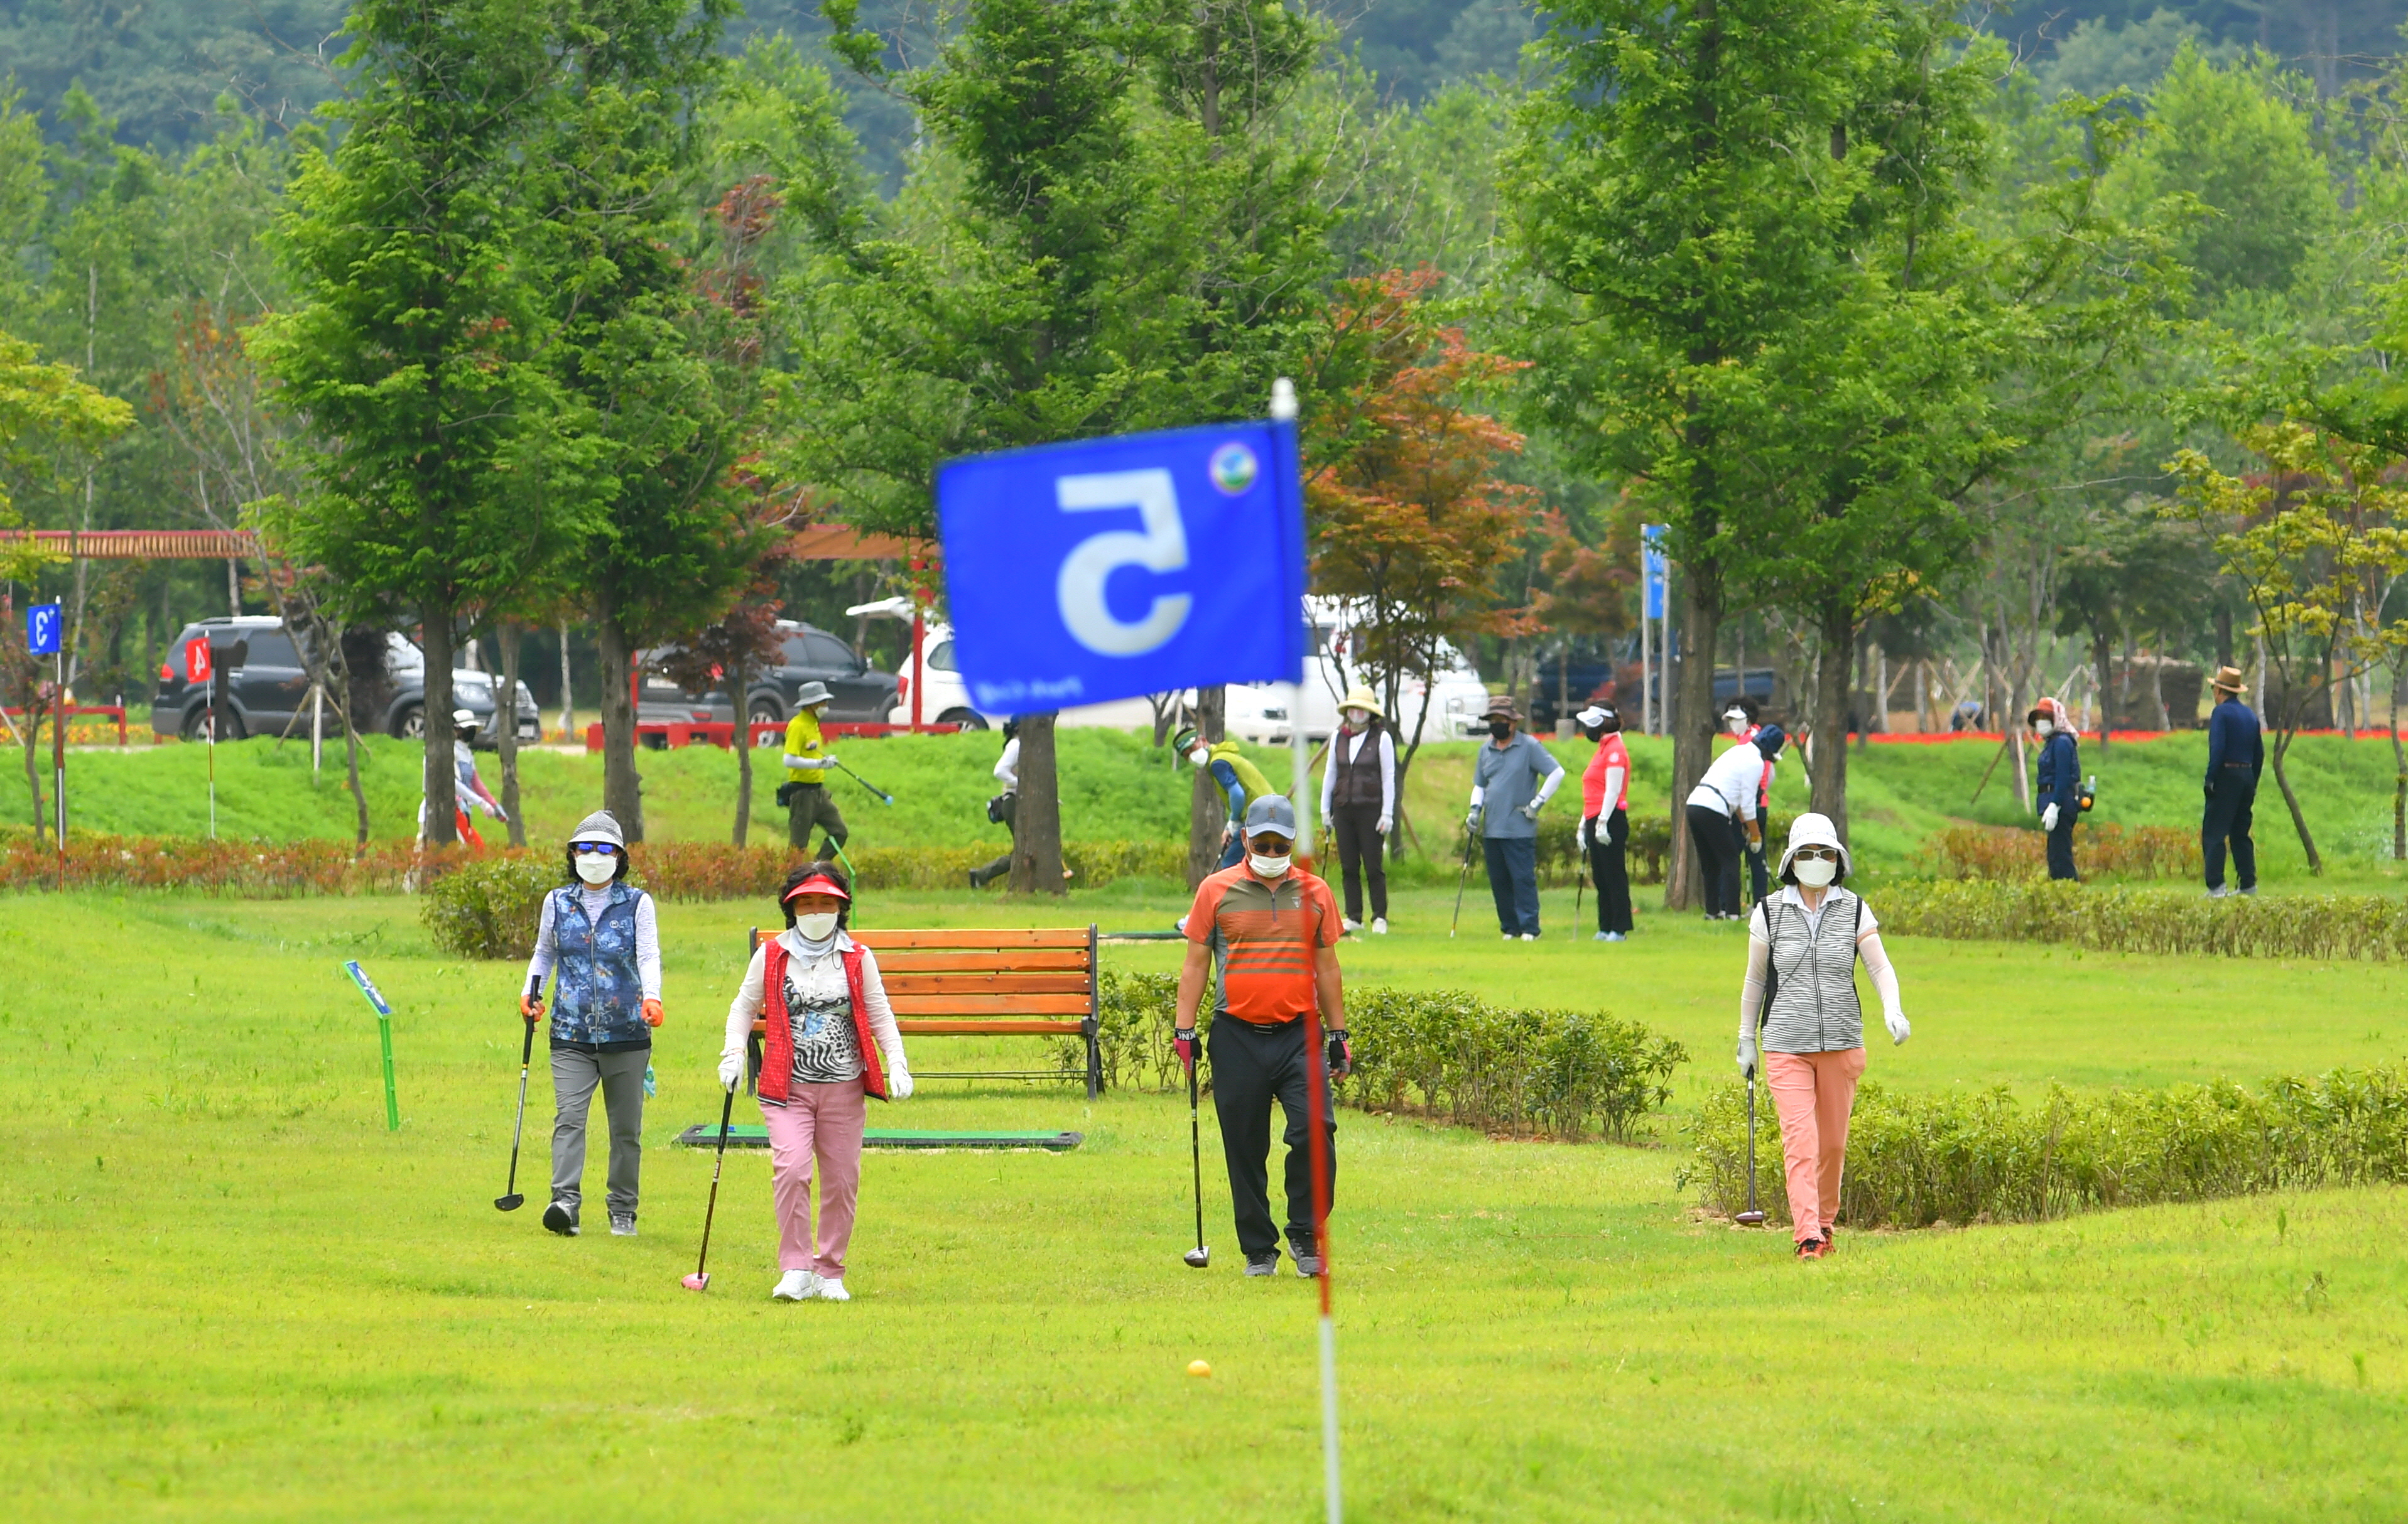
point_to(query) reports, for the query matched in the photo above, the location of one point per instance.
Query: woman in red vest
(828, 1042)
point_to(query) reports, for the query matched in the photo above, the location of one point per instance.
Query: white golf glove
(1530, 811)
(1747, 1056)
(1386, 825)
(2049, 817)
(1582, 835)
(731, 1069)
(899, 1078)
(1899, 1030)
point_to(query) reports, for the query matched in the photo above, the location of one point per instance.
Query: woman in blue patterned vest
(600, 942)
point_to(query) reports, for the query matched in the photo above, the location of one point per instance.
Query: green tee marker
(384, 1033)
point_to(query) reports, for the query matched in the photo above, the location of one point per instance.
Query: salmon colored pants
(820, 1123)
(1813, 1093)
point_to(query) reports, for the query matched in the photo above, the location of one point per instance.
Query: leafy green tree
(447, 464)
(1110, 232)
(1673, 187)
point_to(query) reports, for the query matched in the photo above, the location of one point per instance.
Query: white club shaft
(1330, 1419)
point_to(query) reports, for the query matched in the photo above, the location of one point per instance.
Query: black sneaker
(1267, 1264)
(1308, 1265)
(561, 1218)
(622, 1225)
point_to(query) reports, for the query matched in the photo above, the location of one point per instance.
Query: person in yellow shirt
(805, 794)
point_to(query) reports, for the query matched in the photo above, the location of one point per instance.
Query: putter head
(699, 1281)
(509, 1204)
(1198, 1257)
(1750, 1220)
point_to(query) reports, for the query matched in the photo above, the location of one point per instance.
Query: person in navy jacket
(2236, 754)
(2058, 795)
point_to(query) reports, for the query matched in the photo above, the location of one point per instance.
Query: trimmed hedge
(1979, 1156)
(1439, 1053)
(253, 870)
(2118, 919)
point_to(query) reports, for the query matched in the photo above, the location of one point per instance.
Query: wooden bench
(1000, 982)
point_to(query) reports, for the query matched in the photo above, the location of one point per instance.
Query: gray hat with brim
(811, 693)
(1812, 829)
(600, 826)
(1271, 814)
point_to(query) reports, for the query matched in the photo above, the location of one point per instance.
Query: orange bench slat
(1006, 937)
(1033, 960)
(924, 1027)
(999, 1005)
(1067, 983)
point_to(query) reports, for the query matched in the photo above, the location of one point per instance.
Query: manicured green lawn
(236, 1295)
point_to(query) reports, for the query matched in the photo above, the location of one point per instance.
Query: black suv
(267, 685)
(859, 692)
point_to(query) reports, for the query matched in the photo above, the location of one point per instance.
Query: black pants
(1361, 855)
(810, 805)
(1252, 1066)
(1760, 877)
(981, 877)
(2227, 816)
(1608, 869)
(1712, 834)
(2061, 844)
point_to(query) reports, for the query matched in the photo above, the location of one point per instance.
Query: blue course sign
(1109, 568)
(44, 626)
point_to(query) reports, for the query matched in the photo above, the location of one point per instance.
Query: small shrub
(2122, 920)
(2002, 854)
(1138, 1013)
(1963, 1156)
(491, 907)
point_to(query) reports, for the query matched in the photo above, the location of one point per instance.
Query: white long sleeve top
(746, 1007)
(1354, 748)
(1007, 767)
(1732, 781)
(648, 937)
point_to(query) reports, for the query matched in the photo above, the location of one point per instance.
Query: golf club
(700, 1279)
(1753, 1217)
(1198, 1257)
(1460, 879)
(510, 1201)
(883, 797)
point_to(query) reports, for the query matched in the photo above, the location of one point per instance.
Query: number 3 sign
(1111, 568)
(43, 627)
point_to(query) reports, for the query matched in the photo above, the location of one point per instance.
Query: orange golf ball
(1199, 1367)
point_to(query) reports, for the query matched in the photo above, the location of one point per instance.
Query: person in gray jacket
(1800, 1012)
(1512, 782)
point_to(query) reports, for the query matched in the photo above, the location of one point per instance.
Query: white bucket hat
(600, 826)
(1811, 829)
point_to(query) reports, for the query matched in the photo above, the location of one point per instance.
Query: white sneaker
(1530, 936)
(1511, 937)
(796, 1285)
(1378, 925)
(832, 1291)
(1349, 925)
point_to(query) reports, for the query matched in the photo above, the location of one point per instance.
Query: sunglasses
(1815, 854)
(585, 847)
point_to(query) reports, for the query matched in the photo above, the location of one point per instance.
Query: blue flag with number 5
(1109, 568)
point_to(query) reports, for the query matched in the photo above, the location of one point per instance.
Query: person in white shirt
(1358, 799)
(1725, 795)
(1003, 809)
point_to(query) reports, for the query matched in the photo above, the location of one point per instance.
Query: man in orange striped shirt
(1270, 930)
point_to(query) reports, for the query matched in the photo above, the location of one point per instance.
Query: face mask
(1501, 727)
(817, 927)
(2044, 727)
(1813, 871)
(1268, 867)
(597, 868)
(1357, 719)
(1200, 756)
(1738, 724)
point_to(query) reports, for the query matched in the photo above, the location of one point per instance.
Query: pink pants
(1813, 1093)
(820, 1122)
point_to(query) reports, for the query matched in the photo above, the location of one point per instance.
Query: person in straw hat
(1512, 783)
(2236, 754)
(1799, 1015)
(1358, 799)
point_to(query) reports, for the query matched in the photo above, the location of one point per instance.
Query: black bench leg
(1095, 1060)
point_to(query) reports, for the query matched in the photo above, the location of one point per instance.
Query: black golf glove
(1185, 1044)
(1340, 1056)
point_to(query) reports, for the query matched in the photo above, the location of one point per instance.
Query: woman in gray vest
(599, 938)
(1799, 1008)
